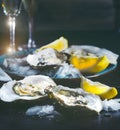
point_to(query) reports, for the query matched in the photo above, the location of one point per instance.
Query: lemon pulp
(59, 44)
(102, 64)
(89, 63)
(83, 63)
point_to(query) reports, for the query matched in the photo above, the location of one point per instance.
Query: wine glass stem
(30, 27)
(30, 40)
(12, 24)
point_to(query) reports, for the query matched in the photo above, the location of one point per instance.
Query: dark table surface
(12, 115)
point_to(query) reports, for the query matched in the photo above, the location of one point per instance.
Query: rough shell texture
(8, 94)
(76, 97)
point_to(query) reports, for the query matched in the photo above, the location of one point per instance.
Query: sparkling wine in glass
(30, 7)
(11, 9)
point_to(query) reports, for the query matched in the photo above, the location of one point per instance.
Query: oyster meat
(75, 98)
(30, 88)
(46, 57)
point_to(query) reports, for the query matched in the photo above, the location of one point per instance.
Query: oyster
(75, 98)
(87, 50)
(46, 57)
(30, 88)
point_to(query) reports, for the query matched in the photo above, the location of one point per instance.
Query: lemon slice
(83, 63)
(59, 44)
(101, 65)
(102, 90)
(89, 63)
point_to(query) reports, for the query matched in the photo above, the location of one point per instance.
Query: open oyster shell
(77, 97)
(83, 50)
(46, 57)
(30, 88)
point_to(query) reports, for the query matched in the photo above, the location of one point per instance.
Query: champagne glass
(30, 7)
(11, 9)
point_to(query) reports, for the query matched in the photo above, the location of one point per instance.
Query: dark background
(81, 15)
(94, 22)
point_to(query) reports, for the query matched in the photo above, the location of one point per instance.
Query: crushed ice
(111, 105)
(4, 76)
(67, 71)
(47, 111)
(20, 66)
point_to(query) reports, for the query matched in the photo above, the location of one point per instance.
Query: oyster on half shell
(88, 50)
(46, 57)
(30, 88)
(77, 97)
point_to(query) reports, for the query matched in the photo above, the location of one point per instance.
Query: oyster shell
(75, 98)
(30, 88)
(46, 57)
(88, 50)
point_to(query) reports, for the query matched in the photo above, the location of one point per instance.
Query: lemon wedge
(101, 65)
(89, 63)
(59, 44)
(102, 90)
(83, 63)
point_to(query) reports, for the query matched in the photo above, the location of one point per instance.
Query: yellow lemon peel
(102, 90)
(102, 64)
(90, 64)
(83, 63)
(59, 44)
